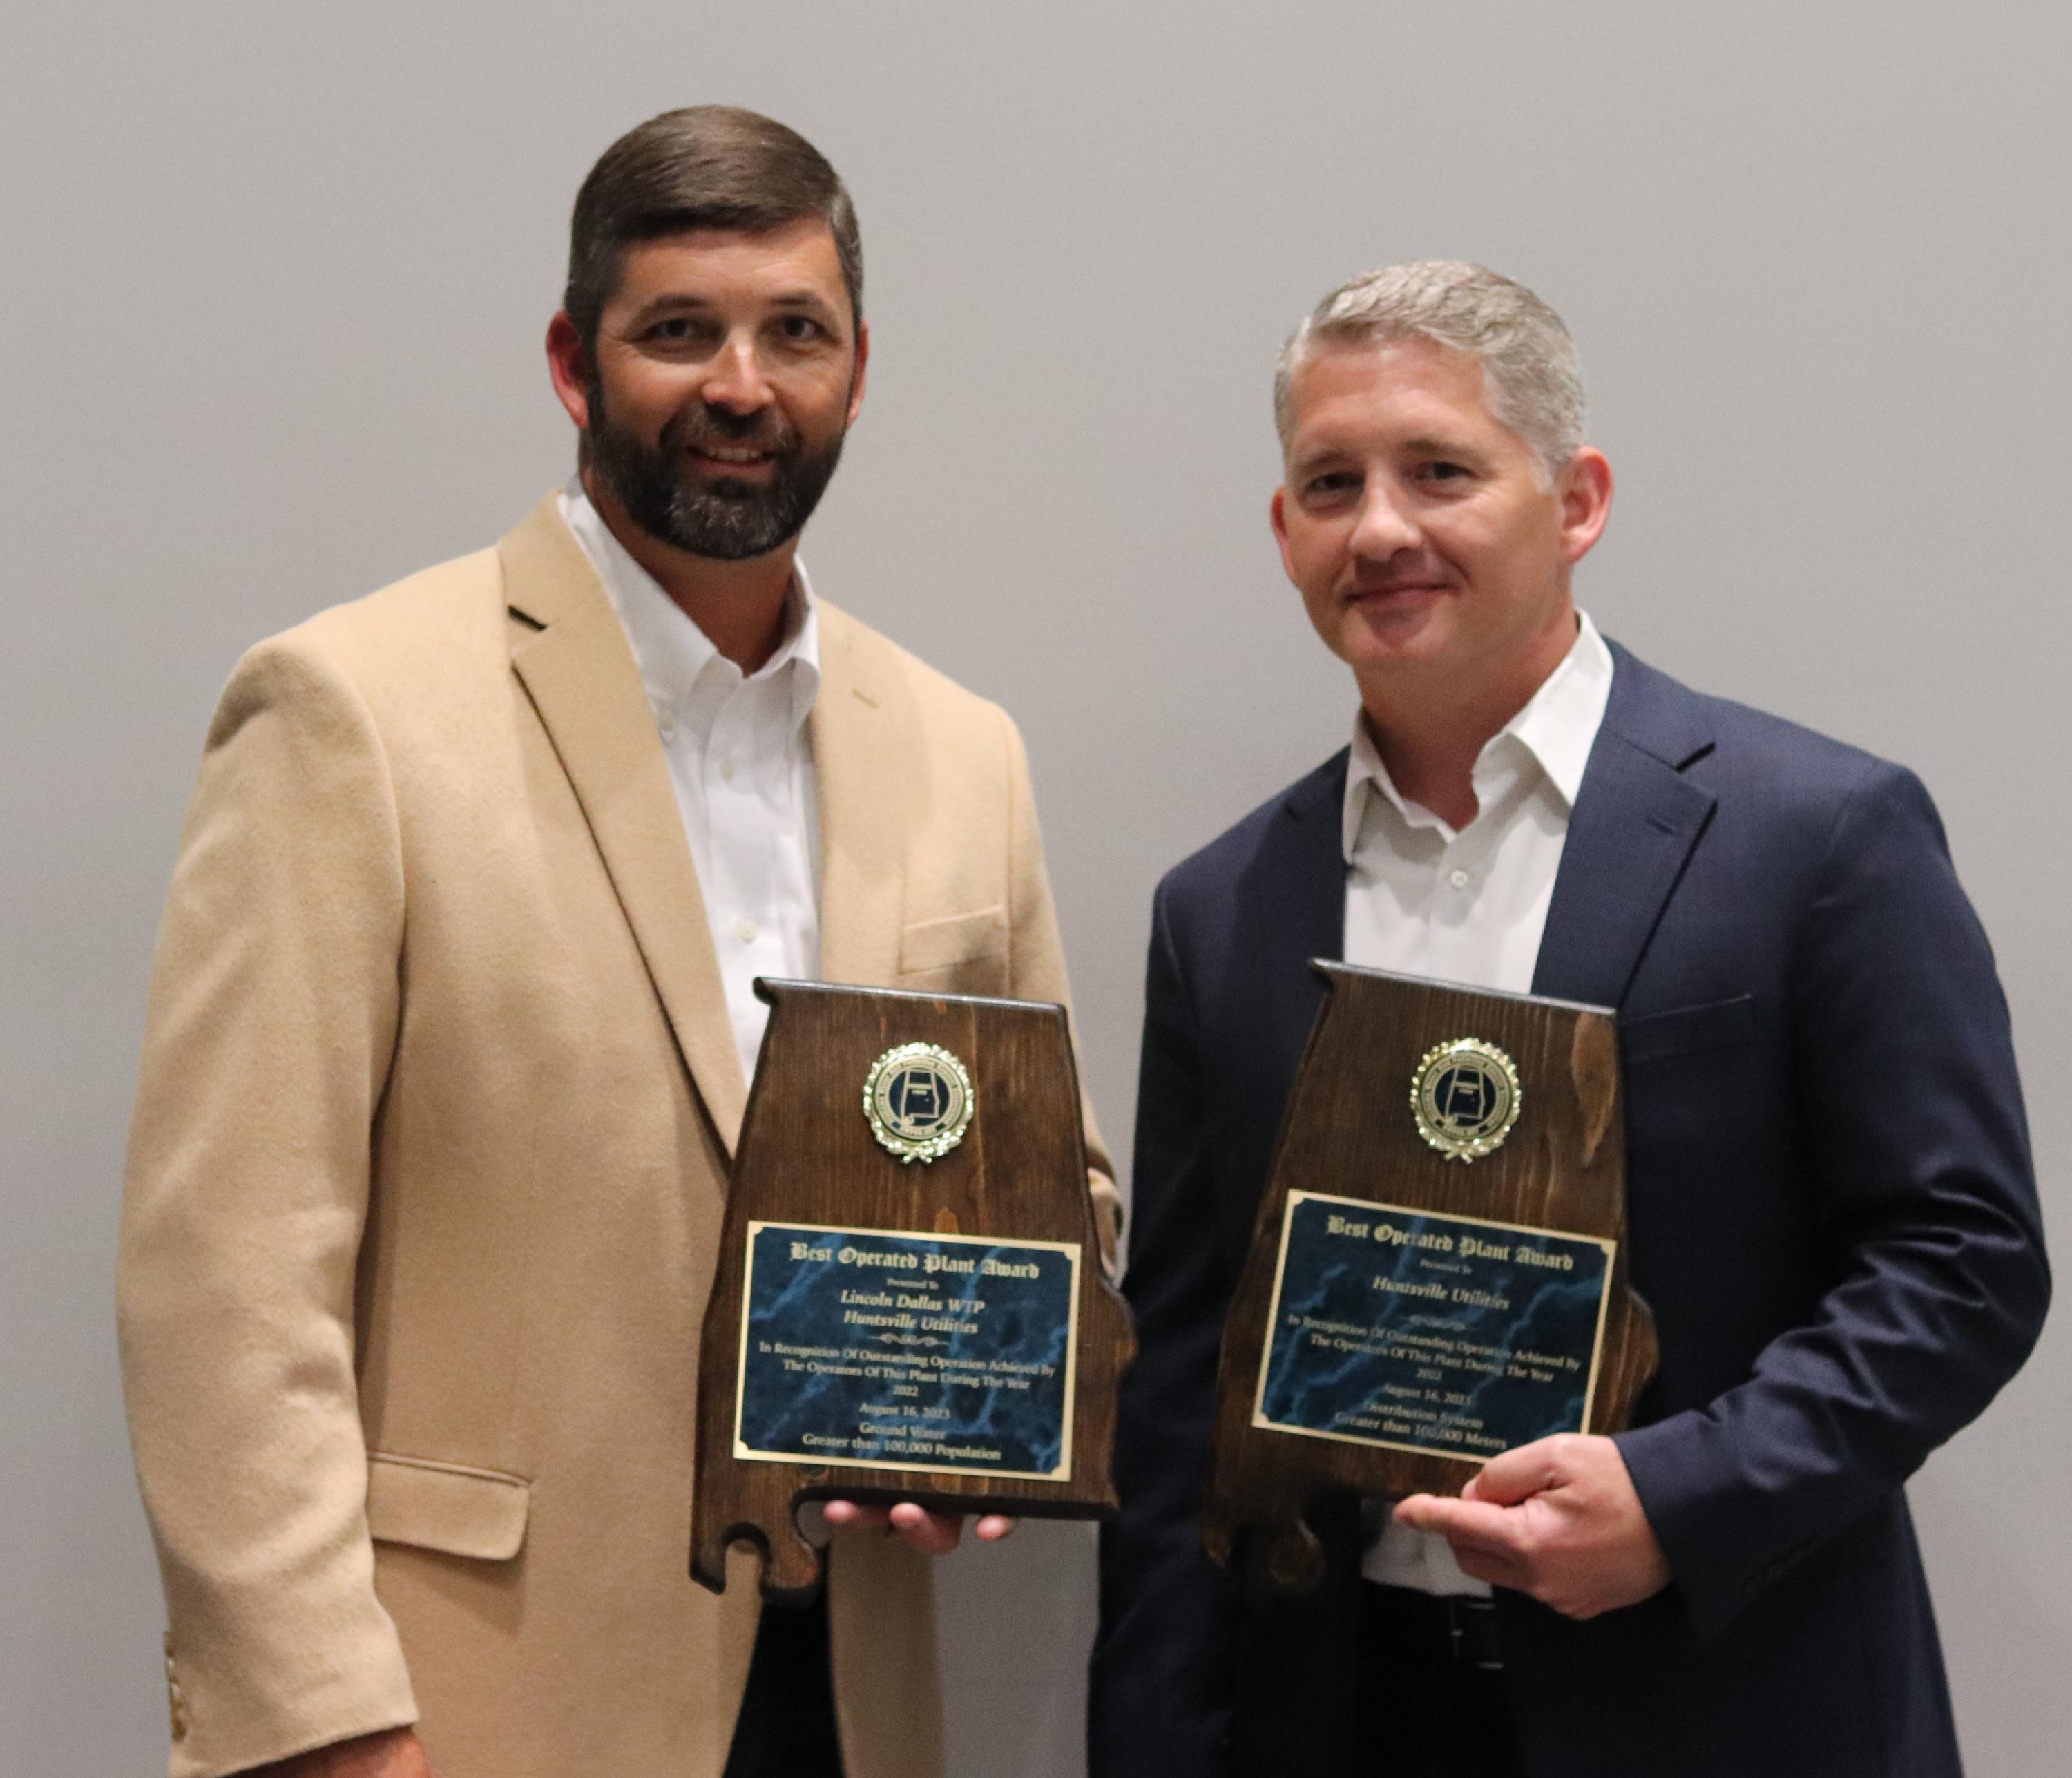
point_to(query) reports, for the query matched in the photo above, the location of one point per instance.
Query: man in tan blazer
(445, 1056)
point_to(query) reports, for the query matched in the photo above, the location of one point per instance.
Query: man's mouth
(1397, 589)
(734, 455)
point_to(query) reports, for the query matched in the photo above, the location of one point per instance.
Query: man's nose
(1385, 527)
(735, 381)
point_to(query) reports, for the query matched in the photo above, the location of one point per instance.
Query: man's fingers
(932, 1533)
(1514, 1475)
(1575, 1535)
(852, 1516)
(1487, 1542)
(1464, 1524)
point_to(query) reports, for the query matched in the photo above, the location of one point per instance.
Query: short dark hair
(704, 167)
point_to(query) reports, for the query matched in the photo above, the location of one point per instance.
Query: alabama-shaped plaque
(1438, 1271)
(910, 1303)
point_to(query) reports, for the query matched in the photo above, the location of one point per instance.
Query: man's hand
(932, 1533)
(1557, 1519)
(393, 1753)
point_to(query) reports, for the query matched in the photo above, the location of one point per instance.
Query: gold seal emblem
(1466, 1096)
(919, 1101)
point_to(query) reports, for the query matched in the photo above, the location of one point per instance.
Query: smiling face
(726, 369)
(1431, 552)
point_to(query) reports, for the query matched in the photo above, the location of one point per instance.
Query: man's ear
(569, 365)
(1277, 513)
(862, 360)
(1585, 490)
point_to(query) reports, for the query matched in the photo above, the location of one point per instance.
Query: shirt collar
(673, 652)
(1556, 731)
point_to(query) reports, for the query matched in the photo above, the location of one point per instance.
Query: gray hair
(1534, 382)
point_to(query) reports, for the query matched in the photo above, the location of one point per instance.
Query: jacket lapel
(578, 669)
(867, 776)
(1296, 887)
(1635, 821)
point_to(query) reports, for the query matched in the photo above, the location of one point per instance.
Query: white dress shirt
(1422, 900)
(741, 755)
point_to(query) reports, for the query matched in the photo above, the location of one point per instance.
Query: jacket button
(176, 1704)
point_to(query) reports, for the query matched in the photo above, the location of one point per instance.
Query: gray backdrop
(275, 280)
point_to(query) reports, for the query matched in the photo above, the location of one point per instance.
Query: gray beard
(724, 520)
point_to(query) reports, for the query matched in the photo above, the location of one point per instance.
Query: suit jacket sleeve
(1904, 1077)
(1036, 964)
(1162, 1675)
(272, 1019)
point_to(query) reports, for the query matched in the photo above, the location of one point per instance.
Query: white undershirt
(740, 753)
(1470, 906)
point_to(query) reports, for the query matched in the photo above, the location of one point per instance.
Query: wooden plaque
(909, 1303)
(1438, 1271)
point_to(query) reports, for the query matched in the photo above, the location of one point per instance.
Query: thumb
(1472, 1522)
(1515, 1475)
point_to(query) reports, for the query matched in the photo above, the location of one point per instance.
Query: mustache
(705, 424)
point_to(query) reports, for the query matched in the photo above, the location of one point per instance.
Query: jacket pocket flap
(447, 1507)
(1686, 1030)
(939, 944)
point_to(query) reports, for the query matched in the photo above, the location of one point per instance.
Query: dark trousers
(1432, 1703)
(786, 1725)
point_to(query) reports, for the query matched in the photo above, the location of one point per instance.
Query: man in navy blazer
(1831, 1208)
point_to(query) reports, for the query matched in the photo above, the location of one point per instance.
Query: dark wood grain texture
(1348, 1130)
(807, 1154)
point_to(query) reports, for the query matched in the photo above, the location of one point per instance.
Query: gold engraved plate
(919, 1101)
(1466, 1096)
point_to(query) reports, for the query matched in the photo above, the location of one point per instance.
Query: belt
(1434, 1630)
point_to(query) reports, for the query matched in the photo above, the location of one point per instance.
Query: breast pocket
(1687, 1031)
(961, 953)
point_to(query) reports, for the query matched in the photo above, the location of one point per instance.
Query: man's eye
(674, 330)
(1334, 481)
(799, 327)
(1444, 472)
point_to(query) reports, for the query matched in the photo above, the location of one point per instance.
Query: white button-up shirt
(1469, 907)
(740, 754)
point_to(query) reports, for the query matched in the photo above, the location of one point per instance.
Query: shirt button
(745, 931)
(668, 727)
(726, 770)
(1459, 879)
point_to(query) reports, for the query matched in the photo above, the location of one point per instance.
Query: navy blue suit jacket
(1832, 1213)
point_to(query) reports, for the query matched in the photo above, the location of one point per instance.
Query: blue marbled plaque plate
(1445, 1335)
(949, 1353)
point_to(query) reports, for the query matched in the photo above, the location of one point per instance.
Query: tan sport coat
(425, 1178)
